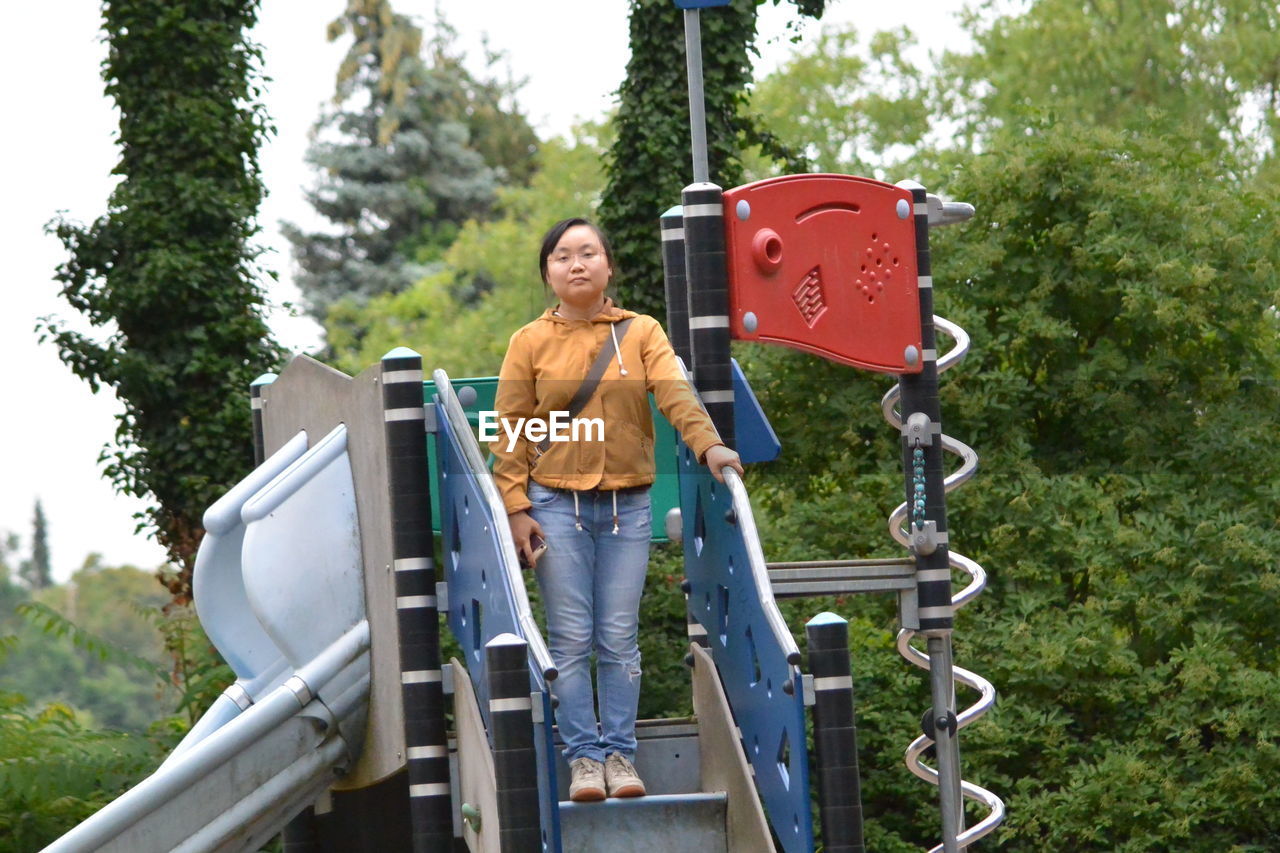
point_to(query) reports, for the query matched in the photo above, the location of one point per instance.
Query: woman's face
(578, 269)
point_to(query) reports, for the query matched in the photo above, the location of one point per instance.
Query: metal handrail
(511, 571)
(759, 569)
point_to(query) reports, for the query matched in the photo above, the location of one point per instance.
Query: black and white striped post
(515, 762)
(255, 406)
(413, 547)
(709, 303)
(922, 460)
(673, 277)
(703, 228)
(835, 735)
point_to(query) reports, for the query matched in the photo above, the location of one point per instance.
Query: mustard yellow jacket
(545, 364)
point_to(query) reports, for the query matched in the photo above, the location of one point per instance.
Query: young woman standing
(589, 498)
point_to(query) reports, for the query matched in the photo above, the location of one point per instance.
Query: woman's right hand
(522, 529)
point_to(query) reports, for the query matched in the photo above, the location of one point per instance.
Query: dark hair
(552, 239)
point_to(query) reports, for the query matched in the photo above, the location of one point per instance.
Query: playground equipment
(318, 582)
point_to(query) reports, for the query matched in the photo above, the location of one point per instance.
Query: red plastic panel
(827, 264)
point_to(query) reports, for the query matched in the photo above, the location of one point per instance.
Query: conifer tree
(400, 171)
(36, 571)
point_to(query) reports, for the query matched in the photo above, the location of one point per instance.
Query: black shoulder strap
(594, 375)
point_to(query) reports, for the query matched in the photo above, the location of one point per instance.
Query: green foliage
(1204, 70)
(846, 105)
(649, 163)
(166, 276)
(86, 659)
(197, 670)
(460, 317)
(664, 638)
(92, 645)
(1121, 393)
(54, 772)
(411, 152)
(1120, 305)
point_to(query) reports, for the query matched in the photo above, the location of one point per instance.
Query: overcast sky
(58, 147)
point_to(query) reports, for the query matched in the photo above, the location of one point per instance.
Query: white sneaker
(586, 780)
(621, 778)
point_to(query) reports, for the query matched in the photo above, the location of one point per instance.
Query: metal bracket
(535, 707)
(806, 684)
(924, 538)
(919, 430)
(947, 212)
(431, 423)
(446, 678)
(442, 596)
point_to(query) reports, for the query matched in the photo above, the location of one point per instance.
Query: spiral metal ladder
(910, 538)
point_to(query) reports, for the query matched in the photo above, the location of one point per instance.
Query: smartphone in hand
(539, 547)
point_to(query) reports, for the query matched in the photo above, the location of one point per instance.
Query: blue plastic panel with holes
(482, 604)
(764, 689)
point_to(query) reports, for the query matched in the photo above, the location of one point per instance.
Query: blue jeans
(591, 581)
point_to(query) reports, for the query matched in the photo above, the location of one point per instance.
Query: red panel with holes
(825, 264)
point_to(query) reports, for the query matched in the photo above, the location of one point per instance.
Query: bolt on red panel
(825, 264)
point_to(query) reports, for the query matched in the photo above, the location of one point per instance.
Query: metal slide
(278, 585)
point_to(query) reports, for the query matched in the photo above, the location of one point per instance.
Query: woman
(589, 498)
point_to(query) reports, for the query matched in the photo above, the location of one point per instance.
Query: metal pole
(697, 104)
(947, 744)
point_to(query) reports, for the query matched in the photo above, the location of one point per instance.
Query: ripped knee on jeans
(633, 667)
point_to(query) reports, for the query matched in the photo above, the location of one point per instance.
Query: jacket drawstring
(617, 350)
(577, 514)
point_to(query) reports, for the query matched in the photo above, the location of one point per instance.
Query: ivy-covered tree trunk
(167, 275)
(650, 160)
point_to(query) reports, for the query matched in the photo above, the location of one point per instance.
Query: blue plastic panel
(700, 4)
(749, 653)
(757, 442)
(482, 604)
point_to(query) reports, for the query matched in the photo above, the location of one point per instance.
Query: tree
(401, 173)
(36, 572)
(648, 164)
(460, 317)
(167, 275)
(1204, 70)
(845, 105)
(487, 105)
